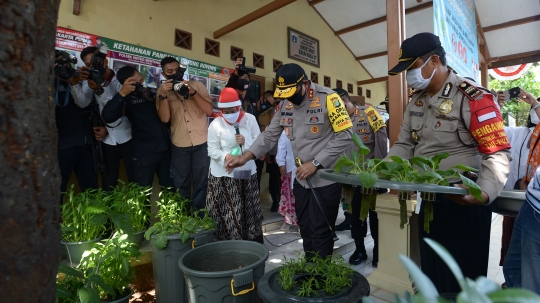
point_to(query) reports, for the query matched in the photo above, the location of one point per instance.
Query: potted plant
(169, 241)
(320, 280)
(134, 200)
(103, 274)
(481, 290)
(79, 230)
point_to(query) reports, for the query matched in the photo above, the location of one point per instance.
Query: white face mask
(231, 118)
(416, 80)
(534, 117)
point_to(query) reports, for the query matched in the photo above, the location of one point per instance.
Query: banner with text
(145, 60)
(454, 22)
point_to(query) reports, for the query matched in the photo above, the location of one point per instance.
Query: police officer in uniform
(315, 120)
(374, 136)
(451, 114)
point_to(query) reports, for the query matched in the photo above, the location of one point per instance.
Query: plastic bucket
(225, 271)
(168, 278)
(137, 237)
(76, 249)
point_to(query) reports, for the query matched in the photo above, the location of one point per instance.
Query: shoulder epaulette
(471, 91)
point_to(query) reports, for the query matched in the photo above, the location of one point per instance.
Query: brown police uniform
(366, 124)
(319, 128)
(460, 119)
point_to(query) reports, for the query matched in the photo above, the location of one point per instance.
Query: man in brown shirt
(188, 116)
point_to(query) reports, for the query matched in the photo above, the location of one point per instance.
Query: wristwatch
(162, 98)
(316, 164)
(537, 105)
(193, 93)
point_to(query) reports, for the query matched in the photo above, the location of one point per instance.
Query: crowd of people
(296, 130)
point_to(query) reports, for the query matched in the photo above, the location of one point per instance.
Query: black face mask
(242, 84)
(298, 97)
(265, 105)
(179, 75)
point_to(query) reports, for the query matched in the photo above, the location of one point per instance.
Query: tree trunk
(29, 175)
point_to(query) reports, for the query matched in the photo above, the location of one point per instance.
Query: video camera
(242, 69)
(147, 93)
(61, 69)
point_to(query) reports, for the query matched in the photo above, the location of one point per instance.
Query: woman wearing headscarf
(233, 198)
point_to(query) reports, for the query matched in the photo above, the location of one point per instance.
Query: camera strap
(66, 99)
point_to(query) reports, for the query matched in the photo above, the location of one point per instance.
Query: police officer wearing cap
(451, 114)
(373, 135)
(316, 122)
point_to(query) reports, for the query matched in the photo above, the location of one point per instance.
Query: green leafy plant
(481, 290)
(176, 217)
(105, 272)
(315, 278)
(134, 200)
(78, 223)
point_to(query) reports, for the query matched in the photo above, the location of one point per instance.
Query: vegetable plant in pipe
(368, 171)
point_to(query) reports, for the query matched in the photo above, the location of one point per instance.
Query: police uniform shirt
(374, 140)
(150, 135)
(315, 130)
(433, 125)
(82, 93)
(72, 122)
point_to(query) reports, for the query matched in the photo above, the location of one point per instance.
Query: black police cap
(287, 79)
(414, 48)
(341, 92)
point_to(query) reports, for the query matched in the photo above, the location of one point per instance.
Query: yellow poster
(375, 119)
(337, 113)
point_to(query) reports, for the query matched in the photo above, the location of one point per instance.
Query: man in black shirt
(75, 138)
(151, 137)
(239, 80)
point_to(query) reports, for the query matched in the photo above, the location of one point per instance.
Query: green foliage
(529, 82)
(176, 217)
(481, 290)
(78, 222)
(133, 200)
(104, 272)
(315, 278)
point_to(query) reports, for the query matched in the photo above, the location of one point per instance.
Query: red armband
(487, 126)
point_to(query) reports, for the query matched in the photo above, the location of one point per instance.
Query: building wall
(152, 24)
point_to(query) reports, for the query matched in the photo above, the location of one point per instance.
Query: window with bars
(182, 39)
(315, 77)
(350, 89)
(276, 65)
(359, 91)
(258, 60)
(327, 81)
(236, 53)
(368, 93)
(211, 47)
(339, 84)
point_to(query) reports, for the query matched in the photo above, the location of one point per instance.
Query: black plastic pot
(271, 292)
(168, 278)
(225, 271)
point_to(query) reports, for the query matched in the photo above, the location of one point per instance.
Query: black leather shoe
(274, 208)
(374, 263)
(357, 258)
(345, 225)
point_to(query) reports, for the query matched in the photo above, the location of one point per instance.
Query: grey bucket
(168, 278)
(77, 249)
(137, 237)
(232, 286)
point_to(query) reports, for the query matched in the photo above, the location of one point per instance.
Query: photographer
(186, 105)
(151, 138)
(74, 129)
(239, 80)
(98, 81)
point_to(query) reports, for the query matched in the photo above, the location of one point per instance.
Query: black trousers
(464, 231)
(79, 160)
(274, 182)
(316, 235)
(112, 155)
(260, 166)
(191, 164)
(157, 163)
(359, 228)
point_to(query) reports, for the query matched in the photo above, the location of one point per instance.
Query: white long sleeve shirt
(285, 155)
(519, 140)
(221, 141)
(82, 94)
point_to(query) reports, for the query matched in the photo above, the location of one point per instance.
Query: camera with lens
(62, 70)
(181, 89)
(245, 69)
(97, 70)
(147, 93)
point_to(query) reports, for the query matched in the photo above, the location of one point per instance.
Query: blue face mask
(416, 80)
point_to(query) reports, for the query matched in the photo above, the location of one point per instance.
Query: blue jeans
(522, 264)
